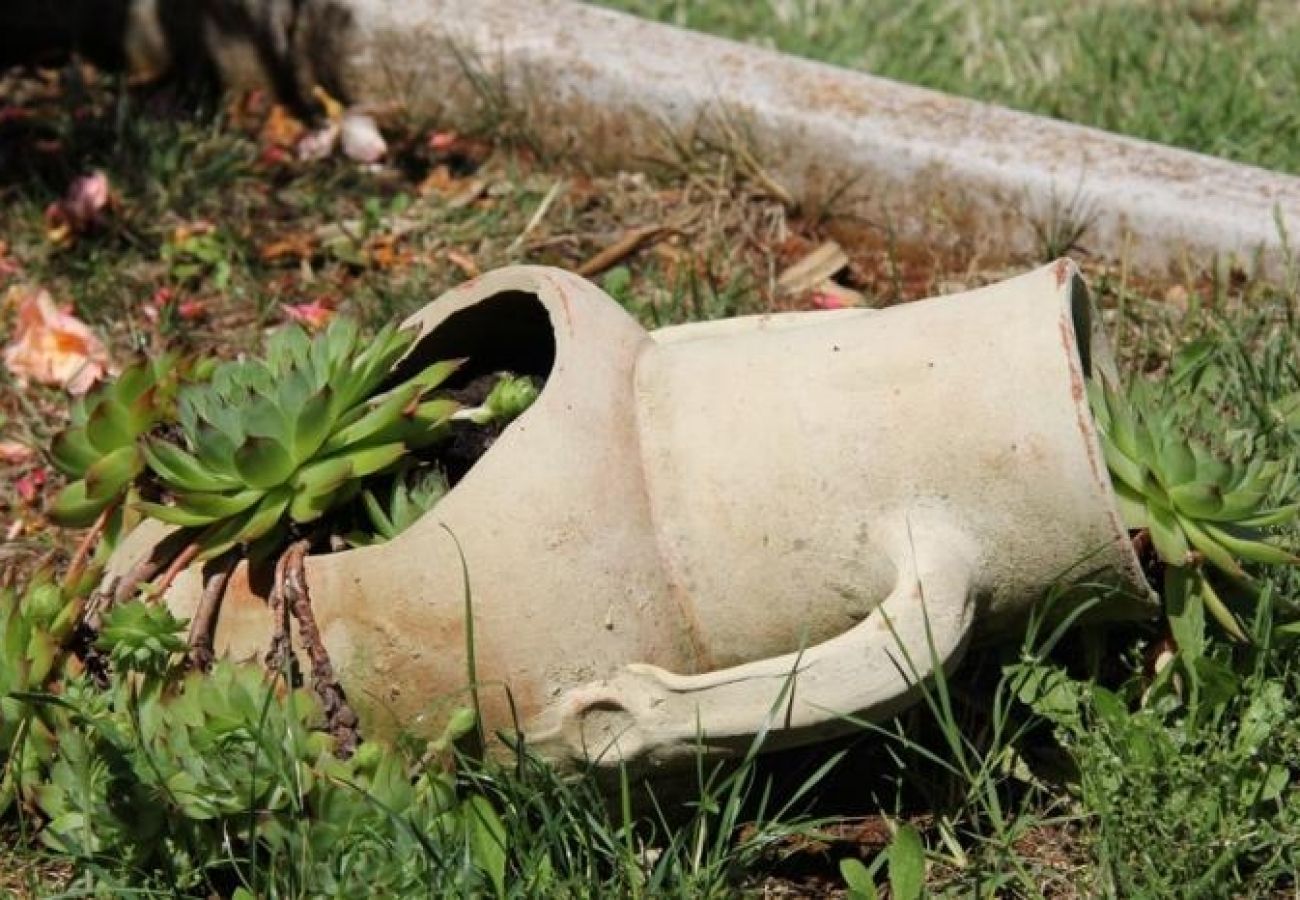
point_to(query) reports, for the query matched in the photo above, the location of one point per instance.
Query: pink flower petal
(827, 300)
(361, 138)
(441, 141)
(29, 486)
(51, 346)
(87, 196)
(318, 144)
(12, 453)
(192, 310)
(314, 315)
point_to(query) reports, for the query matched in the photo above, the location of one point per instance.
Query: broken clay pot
(717, 529)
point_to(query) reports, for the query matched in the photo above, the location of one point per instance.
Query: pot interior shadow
(510, 331)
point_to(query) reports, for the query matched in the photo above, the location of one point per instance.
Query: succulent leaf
(72, 452)
(313, 423)
(1196, 498)
(381, 416)
(1177, 463)
(73, 509)
(109, 427)
(264, 462)
(410, 495)
(1240, 543)
(369, 460)
(289, 436)
(1214, 604)
(183, 471)
(266, 516)
(1168, 536)
(1189, 499)
(111, 474)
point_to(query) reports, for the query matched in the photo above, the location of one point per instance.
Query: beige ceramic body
(685, 518)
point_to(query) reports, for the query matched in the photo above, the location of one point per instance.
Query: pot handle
(645, 714)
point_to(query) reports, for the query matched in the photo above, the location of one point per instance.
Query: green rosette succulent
(266, 442)
(1198, 509)
(36, 623)
(409, 496)
(100, 450)
(509, 397)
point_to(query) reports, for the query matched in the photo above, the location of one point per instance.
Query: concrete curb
(614, 88)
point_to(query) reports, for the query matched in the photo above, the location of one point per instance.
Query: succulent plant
(1197, 507)
(140, 637)
(100, 449)
(410, 495)
(285, 438)
(510, 396)
(35, 624)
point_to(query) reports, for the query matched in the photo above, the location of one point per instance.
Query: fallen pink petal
(192, 310)
(827, 300)
(361, 138)
(314, 315)
(319, 144)
(29, 486)
(51, 346)
(9, 266)
(13, 453)
(86, 198)
(441, 141)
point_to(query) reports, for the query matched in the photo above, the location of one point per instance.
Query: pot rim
(1089, 355)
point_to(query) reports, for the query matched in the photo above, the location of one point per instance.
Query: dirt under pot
(716, 529)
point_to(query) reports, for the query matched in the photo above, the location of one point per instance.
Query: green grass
(1218, 76)
(1037, 769)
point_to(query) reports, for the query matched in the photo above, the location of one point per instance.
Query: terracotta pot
(684, 520)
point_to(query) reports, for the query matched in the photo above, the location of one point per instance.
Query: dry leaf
(52, 346)
(296, 247)
(281, 129)
(248, 111)
(438, 181)
(384, 252)
(464, 262)
(182, 233)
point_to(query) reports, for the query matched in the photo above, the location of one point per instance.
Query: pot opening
(1097, 362)
(509, 332)
(506, 335)
(1081, 315)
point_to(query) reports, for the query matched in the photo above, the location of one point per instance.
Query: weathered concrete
(613, 87)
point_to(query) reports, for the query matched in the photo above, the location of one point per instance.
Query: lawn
(1060, 766)
(1218, 76)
